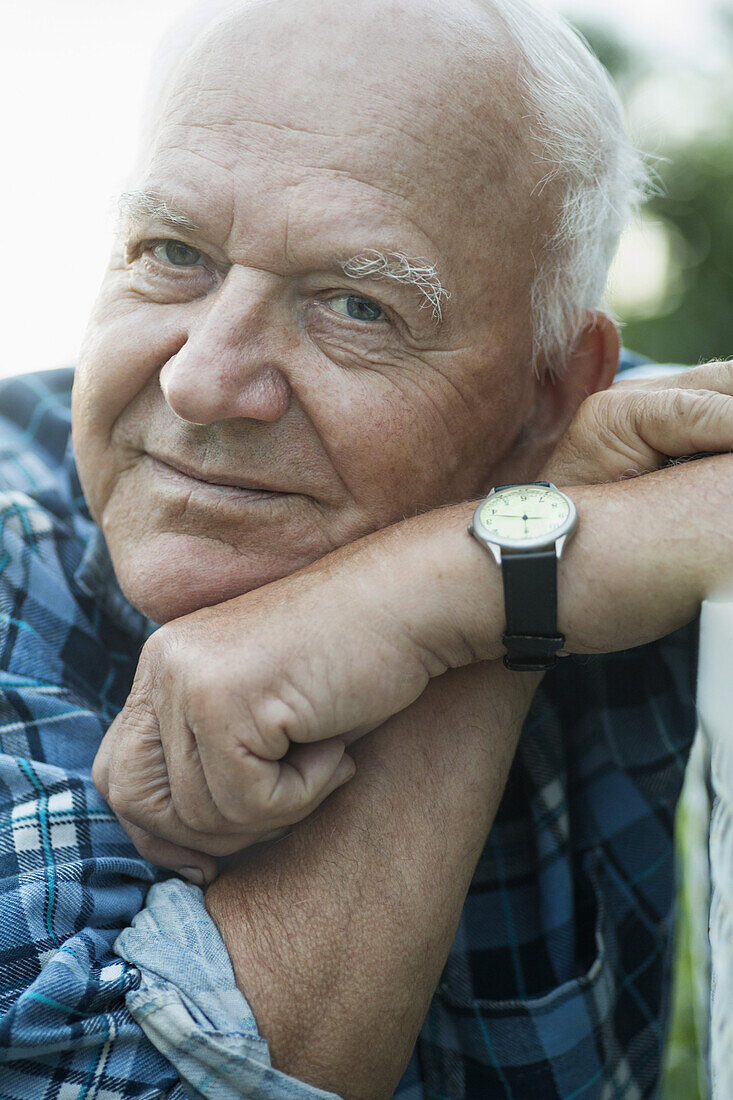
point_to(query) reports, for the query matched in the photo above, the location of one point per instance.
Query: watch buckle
(531, 652)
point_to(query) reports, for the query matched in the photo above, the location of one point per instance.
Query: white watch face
(523, 512)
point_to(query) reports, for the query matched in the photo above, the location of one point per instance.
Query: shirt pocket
(558, 1044)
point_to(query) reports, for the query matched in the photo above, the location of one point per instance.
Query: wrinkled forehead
(409, 109)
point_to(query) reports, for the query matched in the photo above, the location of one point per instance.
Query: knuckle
(721, 367)
(154, 651)
(165, 656)
(597, 404)
(697, 403)
(715, 375)
(606, 405)
(675, 403)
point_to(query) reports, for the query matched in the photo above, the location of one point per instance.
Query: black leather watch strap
(530, 601)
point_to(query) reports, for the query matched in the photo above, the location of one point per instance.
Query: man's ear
(591, 366)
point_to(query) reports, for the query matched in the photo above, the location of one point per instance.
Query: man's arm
(338, 933)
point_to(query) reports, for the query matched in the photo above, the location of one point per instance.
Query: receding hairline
(138, 205)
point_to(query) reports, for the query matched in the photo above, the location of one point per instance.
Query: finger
(189, 788)
(684, 421)
(308, 771)
(175, 857)
(717, 375)
(139, 794)
(257, 793)
(619, 435)
(165, 840)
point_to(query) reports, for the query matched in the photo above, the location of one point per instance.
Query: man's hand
(638, 425)
(239, 714)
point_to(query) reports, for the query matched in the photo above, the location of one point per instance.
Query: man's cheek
(108, 378)
(395, 446)
(391, 470)
(126, 343)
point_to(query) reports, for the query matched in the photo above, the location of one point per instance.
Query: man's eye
(177, 254)
(359, 309)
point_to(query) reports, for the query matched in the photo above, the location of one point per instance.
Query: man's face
(236, 350)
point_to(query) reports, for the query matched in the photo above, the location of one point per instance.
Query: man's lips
(180, 471)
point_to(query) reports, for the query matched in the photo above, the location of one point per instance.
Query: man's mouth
(214, 484)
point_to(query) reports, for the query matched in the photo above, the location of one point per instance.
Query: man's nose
(233, 363)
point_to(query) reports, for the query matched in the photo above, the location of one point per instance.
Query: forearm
(339, 932)
(646, 552)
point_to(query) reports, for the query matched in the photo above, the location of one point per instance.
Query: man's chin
(176, 575)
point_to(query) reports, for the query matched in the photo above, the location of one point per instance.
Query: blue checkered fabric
(70, 878)
(557, 983)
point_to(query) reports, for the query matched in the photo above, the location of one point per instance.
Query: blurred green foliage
(693, 320)
(697, 206)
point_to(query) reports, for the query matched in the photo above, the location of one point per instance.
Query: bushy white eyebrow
(135, 205)
(395, 265)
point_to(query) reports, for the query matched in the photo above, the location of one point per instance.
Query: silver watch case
(496, 544)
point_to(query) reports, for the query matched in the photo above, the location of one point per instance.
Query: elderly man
(355, 284)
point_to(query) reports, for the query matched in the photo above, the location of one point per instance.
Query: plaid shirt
(557, 983)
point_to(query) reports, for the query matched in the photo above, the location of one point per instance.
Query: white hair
(395, 265)
(597, 178)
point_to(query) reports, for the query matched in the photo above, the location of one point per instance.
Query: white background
(72, 76)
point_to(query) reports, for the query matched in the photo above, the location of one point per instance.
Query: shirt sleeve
(189, 1006)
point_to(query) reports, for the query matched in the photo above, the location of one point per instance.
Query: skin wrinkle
(335, 134)
(385, 124)
(460, 120)
(391, 194)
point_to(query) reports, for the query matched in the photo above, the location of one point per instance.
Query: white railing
(715, 711)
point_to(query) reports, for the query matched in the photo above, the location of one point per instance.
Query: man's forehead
(299, 214)
(390, 80)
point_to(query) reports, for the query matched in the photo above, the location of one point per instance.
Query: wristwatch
(525, 527)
